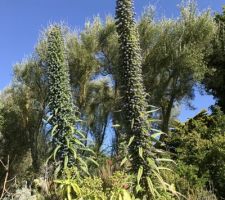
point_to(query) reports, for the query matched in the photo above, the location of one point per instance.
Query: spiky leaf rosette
(66, 137)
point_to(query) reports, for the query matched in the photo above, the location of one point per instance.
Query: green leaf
(67, 142)
(131, 140)
(49, 118)
(48, 159)
(93, 161)
(165, 168)
(76, 188)
(160, 179)
(56, 111)
(56, 150)
(152, 163)
(138, 188)
(86, 149)
(58, 168)
(57, 181)
(84, 169)
(151, 186)
(156, 130)
(156, 135)
(140, 173)
(78, 142)
(140, 151)
(53, 130)
(80, 133)
(165, 160)
(82, 161)
(66, 159)
(123, 161)
(132, 123)
(126, 195)
(69, 192)
(83, 166)
(73, 152)
(72, 129)
(112, 196)
(115, 125)
(152, 111)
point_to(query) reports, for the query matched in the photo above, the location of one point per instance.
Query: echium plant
(131, 81)
(66, 137)
(142, 154)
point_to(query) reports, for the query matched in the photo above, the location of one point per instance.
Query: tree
(83, 65)
(1, 118)
(174, 54)
(198, 146)
(215, 80)
(99, 107)
(29, 93)
(91, 90)
(23, 105)
(14, 138)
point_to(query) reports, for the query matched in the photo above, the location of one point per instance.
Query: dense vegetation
(92, 115)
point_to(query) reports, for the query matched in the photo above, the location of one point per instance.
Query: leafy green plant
(68, 188)
(69, 184)
(154, 184)
(119, 186)
(198, 148)
(92, 189)
(200, 194)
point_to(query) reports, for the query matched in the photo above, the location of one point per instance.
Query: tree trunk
(166, 112)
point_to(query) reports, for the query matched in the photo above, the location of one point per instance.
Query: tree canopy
(91, 113)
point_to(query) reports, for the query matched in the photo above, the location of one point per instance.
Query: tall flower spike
(149, 181)
(66, 138)
(131, 81)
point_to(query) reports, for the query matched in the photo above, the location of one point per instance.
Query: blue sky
(22, 20)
